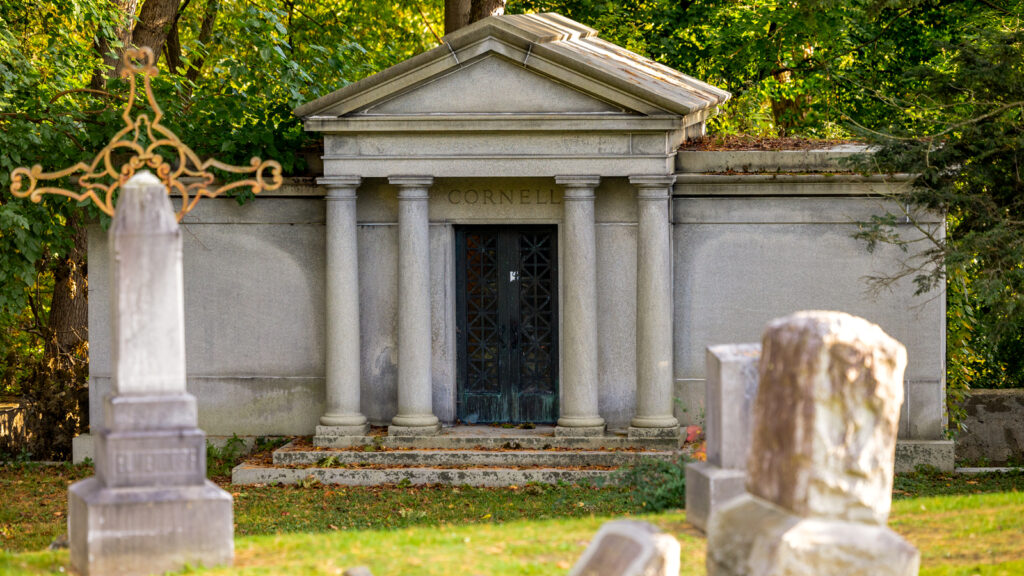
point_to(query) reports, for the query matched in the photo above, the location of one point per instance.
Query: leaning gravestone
(149, 508)
(629, 548)
(820, 470)
(730, 389)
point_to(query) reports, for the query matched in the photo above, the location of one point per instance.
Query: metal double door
(507, 314)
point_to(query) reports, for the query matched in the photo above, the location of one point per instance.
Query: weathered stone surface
(731, 388)
(148, 291)
(838, 380)
(142, 531)
(168, 457)
(994, 433)
(149, 509)
(910, 454)
(708, 488)
(751, 536)
(629, 548)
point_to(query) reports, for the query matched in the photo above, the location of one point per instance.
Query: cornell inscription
(498, 196)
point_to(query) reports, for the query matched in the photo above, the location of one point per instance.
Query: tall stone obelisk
(149, 508)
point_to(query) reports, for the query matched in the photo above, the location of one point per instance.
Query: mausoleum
(506, 231)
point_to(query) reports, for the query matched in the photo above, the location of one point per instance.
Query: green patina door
(507, 308)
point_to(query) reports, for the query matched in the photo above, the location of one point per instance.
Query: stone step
(247, 474)
(456, 458)
(499, 442)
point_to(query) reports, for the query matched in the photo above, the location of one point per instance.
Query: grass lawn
(963, 525)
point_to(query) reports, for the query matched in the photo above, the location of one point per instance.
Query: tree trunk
(155, 21)
(459, 13)
(112, 58)
(456, 15)
(205, 32)
(483, 8)
(68, 325)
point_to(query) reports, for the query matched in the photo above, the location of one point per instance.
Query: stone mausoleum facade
(507, 231)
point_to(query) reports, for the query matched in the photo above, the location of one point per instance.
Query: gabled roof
(593, 76)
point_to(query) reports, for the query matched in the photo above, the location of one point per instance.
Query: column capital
(406, 181)
(575, 181)
(343, 187)
(645, 182)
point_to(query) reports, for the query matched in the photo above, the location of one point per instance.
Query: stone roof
(549, 45)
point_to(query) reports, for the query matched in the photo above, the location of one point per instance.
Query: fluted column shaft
(342, 416)
(415, 407)
(654, 407)
(579, 411)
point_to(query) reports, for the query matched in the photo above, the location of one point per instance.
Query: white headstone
(148, 315)
(149, 508)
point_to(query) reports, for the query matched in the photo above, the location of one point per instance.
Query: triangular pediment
(491, 84)
(521, 64)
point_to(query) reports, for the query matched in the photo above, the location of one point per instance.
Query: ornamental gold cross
(143, 138)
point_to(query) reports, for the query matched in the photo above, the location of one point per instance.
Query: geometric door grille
(507, 314)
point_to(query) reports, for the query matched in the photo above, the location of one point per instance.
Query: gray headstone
(629, 548)
(730, 389)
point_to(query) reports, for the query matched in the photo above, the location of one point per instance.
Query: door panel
(507, 308)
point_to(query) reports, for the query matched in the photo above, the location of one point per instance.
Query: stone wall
(994, 434)
(748, 247)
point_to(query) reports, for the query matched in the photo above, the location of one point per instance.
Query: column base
(429, 430)
(579, 431)
(335, 431)
(644, 433)
(183, 526)
(343, 420)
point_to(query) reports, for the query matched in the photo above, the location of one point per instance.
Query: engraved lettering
(158, 461)
(510, 196)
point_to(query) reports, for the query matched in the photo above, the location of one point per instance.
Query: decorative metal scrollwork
(142, 139)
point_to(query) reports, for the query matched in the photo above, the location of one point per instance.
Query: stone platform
(470, 455)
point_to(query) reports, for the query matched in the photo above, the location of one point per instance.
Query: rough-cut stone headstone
(149, 508)
(819, 472)
(629, 548)
(730, 389)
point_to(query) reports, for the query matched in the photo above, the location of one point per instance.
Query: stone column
(578, 414)
(149, 508)
(654, 405)
(342, 416)
(415, 403)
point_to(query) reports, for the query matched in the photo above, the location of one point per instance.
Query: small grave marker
(629, 548)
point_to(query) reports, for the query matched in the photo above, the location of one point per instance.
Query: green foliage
(655, 485)
(962, 135)
(799, 68)
(221, 459)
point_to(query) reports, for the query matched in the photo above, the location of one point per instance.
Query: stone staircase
(462, 455)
